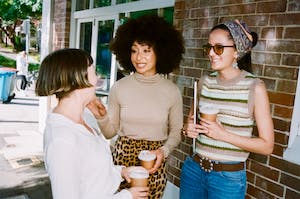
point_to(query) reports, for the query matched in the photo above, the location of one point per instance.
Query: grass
(4, 61)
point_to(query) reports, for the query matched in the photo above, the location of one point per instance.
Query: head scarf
(241, 36)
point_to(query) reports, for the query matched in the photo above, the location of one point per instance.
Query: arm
(108, 121)
(174, 138)
(264, 143)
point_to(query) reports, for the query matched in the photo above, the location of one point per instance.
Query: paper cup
(209, 113)
(139, 177)
(147, 159)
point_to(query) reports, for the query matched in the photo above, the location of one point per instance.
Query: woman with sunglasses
(217, 167)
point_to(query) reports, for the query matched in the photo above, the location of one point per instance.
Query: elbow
(268, 150)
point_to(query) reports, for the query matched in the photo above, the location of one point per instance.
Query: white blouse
(79, 163)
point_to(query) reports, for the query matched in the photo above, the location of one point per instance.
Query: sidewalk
(21, 167)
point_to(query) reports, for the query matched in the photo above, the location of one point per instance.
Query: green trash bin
(7, 78)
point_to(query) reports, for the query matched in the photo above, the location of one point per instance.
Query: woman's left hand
(159, 160)
(212, 129)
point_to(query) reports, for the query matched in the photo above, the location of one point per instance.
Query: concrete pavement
(21, 167)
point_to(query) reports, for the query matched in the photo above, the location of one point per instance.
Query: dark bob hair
(166, 41)
(62, 72)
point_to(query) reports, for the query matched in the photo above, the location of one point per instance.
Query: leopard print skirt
(126, 152)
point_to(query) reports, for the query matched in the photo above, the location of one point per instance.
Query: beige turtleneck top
(148, 108)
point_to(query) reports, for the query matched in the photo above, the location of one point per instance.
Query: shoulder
(60, 128)
(123, 82)
(168, 84)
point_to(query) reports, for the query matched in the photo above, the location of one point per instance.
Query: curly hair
(166, 41)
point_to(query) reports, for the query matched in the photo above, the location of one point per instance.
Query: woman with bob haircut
(77, 157)
(144, 108)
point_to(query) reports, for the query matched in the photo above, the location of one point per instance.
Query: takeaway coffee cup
(139, 177)
(147, 159)
(208, 112)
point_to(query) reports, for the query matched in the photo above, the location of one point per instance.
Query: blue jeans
(195, 183)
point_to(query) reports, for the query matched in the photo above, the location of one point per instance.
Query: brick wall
(61, 24)
(275, 59)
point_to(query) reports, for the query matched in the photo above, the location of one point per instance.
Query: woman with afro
(144, 108)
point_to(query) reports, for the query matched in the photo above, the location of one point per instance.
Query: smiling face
(143, 59)
(229, 55)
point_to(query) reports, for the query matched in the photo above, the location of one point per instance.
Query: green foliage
(12, 10)
(6, 62)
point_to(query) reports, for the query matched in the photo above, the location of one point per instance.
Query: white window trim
(292, 152)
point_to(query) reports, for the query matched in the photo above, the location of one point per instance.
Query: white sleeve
(63, 168)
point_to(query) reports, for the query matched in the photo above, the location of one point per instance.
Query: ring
(184, 132)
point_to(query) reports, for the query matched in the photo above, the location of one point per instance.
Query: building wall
(275, 59)
(61, 24)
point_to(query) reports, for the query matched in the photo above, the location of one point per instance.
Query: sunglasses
(218, 49)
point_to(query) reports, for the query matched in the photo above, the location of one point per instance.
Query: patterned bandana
(241, 35)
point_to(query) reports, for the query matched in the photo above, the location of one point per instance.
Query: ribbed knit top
(235, 101)
(148, 108)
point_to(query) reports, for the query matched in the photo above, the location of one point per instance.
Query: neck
(72, 108)
(229, 73)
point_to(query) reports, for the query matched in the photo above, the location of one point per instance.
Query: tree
(13, 12)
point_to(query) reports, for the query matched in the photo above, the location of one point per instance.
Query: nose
(211, 51)
(138, 56)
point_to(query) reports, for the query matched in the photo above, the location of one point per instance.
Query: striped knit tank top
(234, 101)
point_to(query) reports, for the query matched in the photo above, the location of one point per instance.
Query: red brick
(281, 98)
(258, 157)
(271, 33)
(291, 59)
(292, 33)
(280, 72)
(264, 171)
(270, 83)
(269, 186)
(237, 9)
(294, 6)
(290, 194)
(250, 177)
(287, 86)
(285, 19)
(285, 166)
(257, 20)
(283, 112)
(281, 125)
(271, 7)
(266, 58)
(278, 150)
(257, 193)
(290, 181)
(284, 46)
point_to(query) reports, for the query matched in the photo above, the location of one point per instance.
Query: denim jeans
(195, 183)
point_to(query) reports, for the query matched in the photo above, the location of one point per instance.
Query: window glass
(85, 38)
(124, 1)
(103, 57)
(82, 4)
(101, 3)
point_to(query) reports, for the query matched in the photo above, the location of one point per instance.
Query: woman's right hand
(190, 129)
(97, 108)
(139, 192)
